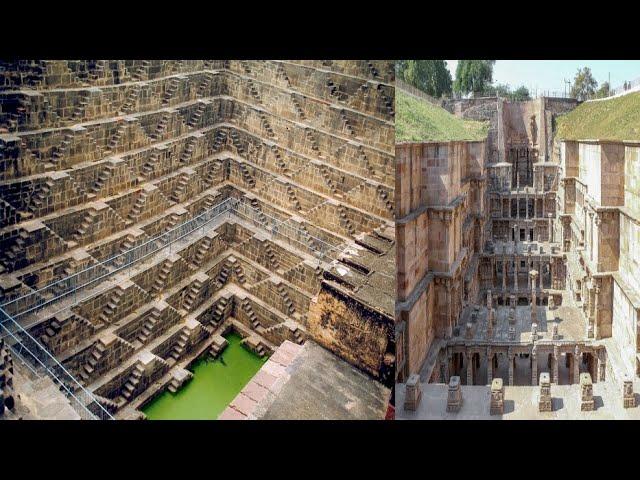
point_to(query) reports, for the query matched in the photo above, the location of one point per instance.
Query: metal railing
(38, 359)
(99, 272)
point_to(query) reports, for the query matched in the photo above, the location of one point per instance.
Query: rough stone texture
(100, 156)
(553, 242)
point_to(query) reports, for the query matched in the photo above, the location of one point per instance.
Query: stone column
(469, 368)
(515, 273)
(602, 365)
(454, 395)
(413, 393)
(556, 356)
(497, 397)
(532, 275)
(628, 397)
(504, 274)
(586, 393)
(544, 400)
(489, 365)
(550, 227)
(576, 364)
(510, 356)
(534, 366)
(596, 304)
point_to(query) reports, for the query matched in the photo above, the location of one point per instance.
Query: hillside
(420, 121)
(614, 119)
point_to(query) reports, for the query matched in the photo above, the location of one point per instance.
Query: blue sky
(549, 74)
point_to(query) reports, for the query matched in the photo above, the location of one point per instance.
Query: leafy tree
(473, 76)
(520, 94)
(430, 76)
(584, 85)
(603, 91)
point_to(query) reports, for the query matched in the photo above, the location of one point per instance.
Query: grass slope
(615, 119)
(420, 121)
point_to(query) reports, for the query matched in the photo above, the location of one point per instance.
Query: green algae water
(214, 385)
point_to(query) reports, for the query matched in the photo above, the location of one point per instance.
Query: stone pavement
(520, 403)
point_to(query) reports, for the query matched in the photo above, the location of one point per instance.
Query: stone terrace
(98, 157)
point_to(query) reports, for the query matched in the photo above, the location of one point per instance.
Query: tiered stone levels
(100, 156)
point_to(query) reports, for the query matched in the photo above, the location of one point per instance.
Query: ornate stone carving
(544, 400)
(413, 393)
(628, 396)
(454, 395)
(497, 397)
(586, 393)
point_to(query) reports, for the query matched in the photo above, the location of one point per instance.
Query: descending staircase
(81, 107)
(219, 310)
(204, 86)
(180, 346)
(203, 248)
(189, 148)
(265, 124)
(246, 175)
(223, 276)
(150, 165)
(116, 137)
(194, 120)
(112, 305)
(191, 295)
(292, 198)
(131, 100)
(282, 291)
(147, 327)
(94, 357)
(297, 107)
(39, 198)
(327, 178)
(162, 126)
(161, 280)
(346, 123)
(171, 90)
(183, 183)
(345, 221)
(253, 319)
(132, 382)
(384, 196)
(85, 226)
(312, 140)
(103, 177)
(138, 207)
(62, 150)
(273, 260)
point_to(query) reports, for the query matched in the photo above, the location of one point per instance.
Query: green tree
(584, 85)
(603, 91)
(473, 76)
(430, 76)
(520, 94)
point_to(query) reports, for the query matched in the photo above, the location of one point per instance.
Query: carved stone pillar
(534, 366)
(586, 393)
(469, 368)
(504, 274)
(489, 365)
(602, 365)
(511, 358)
(454, 395)
(556, 356)
(576, 363)
(497, 397)
(532, 275)
(413, 393)
(544, 400)
(596, 306)
(628, 396)
(550, 227)
(515, 273)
